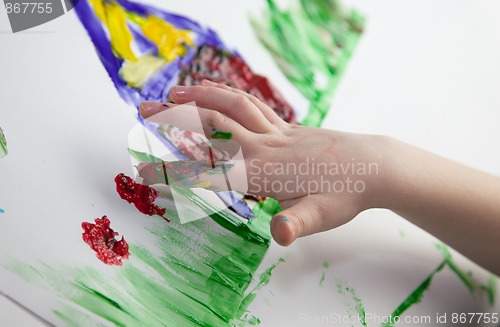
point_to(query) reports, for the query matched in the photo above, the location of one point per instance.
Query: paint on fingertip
(285, 219)
(220, 135)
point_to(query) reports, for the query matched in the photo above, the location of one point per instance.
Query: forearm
(457, 204)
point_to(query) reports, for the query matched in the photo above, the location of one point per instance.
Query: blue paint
(2, 211)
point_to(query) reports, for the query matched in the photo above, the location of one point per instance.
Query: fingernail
(207, 82)
(149, 107)
(168, 104)
(180, 91)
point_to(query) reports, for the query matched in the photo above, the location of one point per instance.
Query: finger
(150, 108)
(210, 123)
(303, 218)
(235, 106)
(267, 111)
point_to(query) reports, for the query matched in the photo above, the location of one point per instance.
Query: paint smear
(101, 238)
(416, 296)
(311, 43)
(463, 276)
(2, 211)
(3, 144)
(325, 265)
(344, 289)
(220, 135)
(142, 196)
(221, 66)
(264, 279)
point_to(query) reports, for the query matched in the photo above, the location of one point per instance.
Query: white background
(427, 72)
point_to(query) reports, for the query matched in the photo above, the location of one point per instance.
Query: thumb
(304, 217)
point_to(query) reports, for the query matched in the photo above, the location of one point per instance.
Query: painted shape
(311, 43)
(101, 238)
(3, 144)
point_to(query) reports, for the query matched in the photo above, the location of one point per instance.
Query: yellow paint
(136, 73)
(115, 19)
(171, 41)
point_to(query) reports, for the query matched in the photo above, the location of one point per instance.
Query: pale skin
(457, 204)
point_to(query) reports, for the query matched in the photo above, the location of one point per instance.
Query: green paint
(220, 135)
(322, 279)
(3, 144)
(358, 304)
(143, 157)
(402, 233)
(325, 265)
(417, 295)
(311, 44)
(463, 276)
(490, 289)
(264, 279)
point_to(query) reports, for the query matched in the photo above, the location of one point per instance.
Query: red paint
(142, 196)
(222, 67)
(101, 239)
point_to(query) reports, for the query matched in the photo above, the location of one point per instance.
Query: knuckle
(242, 102)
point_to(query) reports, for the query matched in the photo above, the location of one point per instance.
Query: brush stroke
(415, 297)
(3, 144)
(311, 44)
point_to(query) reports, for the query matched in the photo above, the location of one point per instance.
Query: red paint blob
(142, 196)
(223, 67)
(101, 239)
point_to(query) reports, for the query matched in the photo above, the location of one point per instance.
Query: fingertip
(282, 230)
(150, 108)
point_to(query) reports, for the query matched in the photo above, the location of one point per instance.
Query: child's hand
(321, 178)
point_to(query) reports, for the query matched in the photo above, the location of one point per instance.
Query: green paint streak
(264, 279)
(417, 295)
(359, 306)
(463, 276)
(311, 44)
(322, 279)
(220, 135)
(491, 289)
(325, 265)
(3, 144)
(144, 157)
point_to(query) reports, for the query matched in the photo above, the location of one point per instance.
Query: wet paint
(325, 266)
(221, 66)
(462, 275)
(311, 43)
(491, 289)
(416, 296)
(3, 144)
(264, 279)
(220, 135)
(101, 238)
(2, 211)
(142, 196)
(356, 303)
